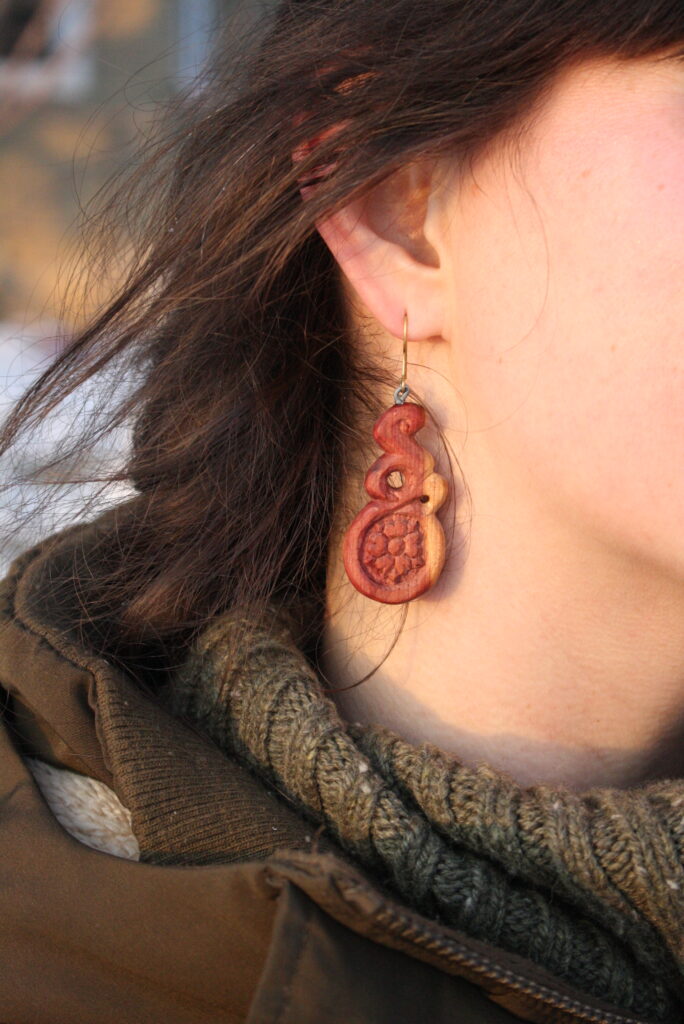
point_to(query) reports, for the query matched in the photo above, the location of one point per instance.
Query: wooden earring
(394, 549)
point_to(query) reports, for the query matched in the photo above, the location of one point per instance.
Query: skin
(546, 334)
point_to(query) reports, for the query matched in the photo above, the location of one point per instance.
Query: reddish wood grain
(394, 548)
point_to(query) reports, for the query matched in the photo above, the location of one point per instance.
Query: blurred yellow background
(78, 81)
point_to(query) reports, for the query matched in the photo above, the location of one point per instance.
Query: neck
(541, 651)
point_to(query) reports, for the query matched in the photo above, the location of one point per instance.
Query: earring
(394, 548)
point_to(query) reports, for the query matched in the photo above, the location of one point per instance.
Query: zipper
(317, 880)
(486, 968)
(423, 934)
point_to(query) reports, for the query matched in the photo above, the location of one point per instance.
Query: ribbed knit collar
(590, 885)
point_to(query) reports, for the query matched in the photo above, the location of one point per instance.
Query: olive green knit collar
(590, 886)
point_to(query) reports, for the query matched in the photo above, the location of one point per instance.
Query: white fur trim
(89, 810)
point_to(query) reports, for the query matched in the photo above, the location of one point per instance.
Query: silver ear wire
(403, 391)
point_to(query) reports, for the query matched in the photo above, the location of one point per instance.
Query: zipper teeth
(484, 965)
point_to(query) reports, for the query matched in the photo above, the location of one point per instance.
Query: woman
(443, 786)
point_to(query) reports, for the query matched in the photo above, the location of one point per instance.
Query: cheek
(571, 308)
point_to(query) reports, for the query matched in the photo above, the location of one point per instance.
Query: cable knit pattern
(590, 886)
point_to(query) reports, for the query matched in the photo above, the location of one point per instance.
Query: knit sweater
(590, 886)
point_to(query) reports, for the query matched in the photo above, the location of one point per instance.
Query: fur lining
(89, 810)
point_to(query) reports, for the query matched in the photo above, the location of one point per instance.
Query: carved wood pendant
(394, 548)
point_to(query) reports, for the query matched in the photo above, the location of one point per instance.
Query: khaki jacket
(237, 912)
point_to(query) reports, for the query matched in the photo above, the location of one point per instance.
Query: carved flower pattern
(393, 548)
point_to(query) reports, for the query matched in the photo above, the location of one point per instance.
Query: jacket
(262, 921)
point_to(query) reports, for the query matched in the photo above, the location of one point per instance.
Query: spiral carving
(394, 548)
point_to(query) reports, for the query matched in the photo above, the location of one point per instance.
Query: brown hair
(230, 322)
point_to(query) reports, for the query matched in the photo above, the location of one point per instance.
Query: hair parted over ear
(309, 146)
(303, 152)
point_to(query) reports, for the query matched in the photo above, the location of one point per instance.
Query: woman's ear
(387, 244)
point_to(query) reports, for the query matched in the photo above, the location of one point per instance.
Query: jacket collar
(73, 708)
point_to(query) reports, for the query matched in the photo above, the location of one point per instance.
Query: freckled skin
(566, 316)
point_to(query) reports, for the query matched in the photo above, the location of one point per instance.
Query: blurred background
(79, 81)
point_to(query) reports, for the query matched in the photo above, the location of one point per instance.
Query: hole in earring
(424, 498)
(395, 479)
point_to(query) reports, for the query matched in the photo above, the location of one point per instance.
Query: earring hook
(403, 391)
